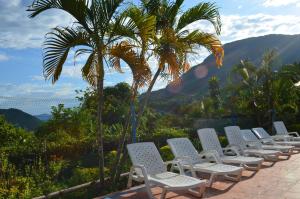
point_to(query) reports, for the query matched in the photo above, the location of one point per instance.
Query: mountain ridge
(20, 118)
(194, 84)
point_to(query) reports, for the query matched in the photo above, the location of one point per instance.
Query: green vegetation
(63, 151)
(262, 92)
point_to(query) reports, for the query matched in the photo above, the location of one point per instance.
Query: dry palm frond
(138, 65)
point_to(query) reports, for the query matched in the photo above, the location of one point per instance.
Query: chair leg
(199, 193)
(236, 178)
(163, 194)
(148, 189)
(129, 183)
(239, 176)
(252, 168)
(211, 179)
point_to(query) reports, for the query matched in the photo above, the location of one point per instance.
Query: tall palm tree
(254, 85)
(97, 30)
(174, 41)
(244, 84)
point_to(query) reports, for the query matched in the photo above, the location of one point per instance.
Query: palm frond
(56, 49)
(144, 25)
(203, 11)
(138, 65)
(89, 70)
(172, 53)
(173, 11)
(151, 6)
(77, 8)
(103, 12)
(209, 41)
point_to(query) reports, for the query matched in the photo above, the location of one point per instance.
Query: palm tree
(174, 41)
(244, 87)
(254, 85)
(97, 30)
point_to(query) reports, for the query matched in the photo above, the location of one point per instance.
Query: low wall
(220, 123)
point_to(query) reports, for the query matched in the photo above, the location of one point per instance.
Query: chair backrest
(209, 140)
(249, 136)
(147, 155)
(183, 147)
(261, 133)
(280, 128)
(234, 136)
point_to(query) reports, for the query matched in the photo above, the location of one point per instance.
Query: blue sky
(23, 86)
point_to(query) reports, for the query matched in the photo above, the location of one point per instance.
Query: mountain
(20, 118)
(194, 83)
(43, 117)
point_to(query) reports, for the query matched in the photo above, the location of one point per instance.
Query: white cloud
(3, 57)
(37, 98)
(277, 3)
(237, 27)
(37, 77)
(18, 31)
(72, 71)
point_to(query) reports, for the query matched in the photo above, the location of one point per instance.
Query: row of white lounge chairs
(247, 149)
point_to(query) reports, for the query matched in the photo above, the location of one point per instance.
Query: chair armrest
(170, 162)
(280, 137)
(142, 168)
(184, 160)
(268, 141)
(233, 148)
(296, 134)
(211, 154)
(177, 163)
(253, 145)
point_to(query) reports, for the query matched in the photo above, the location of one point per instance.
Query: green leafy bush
(83, 175)
(166, 153)
(161, 135)
(223, 141)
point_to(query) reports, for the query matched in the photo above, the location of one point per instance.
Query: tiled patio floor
(280, 181)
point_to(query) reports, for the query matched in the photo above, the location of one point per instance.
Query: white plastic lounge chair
(210, 142)
(250, 138)
(234, 137)
(149, 167)
(266, 138)
(189, 158)
(281, 130)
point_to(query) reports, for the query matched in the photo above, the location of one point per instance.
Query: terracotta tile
(280, 181)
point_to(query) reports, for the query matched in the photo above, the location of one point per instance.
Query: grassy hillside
(20, 118)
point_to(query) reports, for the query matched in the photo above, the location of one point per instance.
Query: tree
(214, 92)
(261, 90)
(174, 41)
(244, 85)
(97, 30)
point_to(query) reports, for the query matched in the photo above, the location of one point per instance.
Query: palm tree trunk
(146, 98)
(121, 146)
(100, 86)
